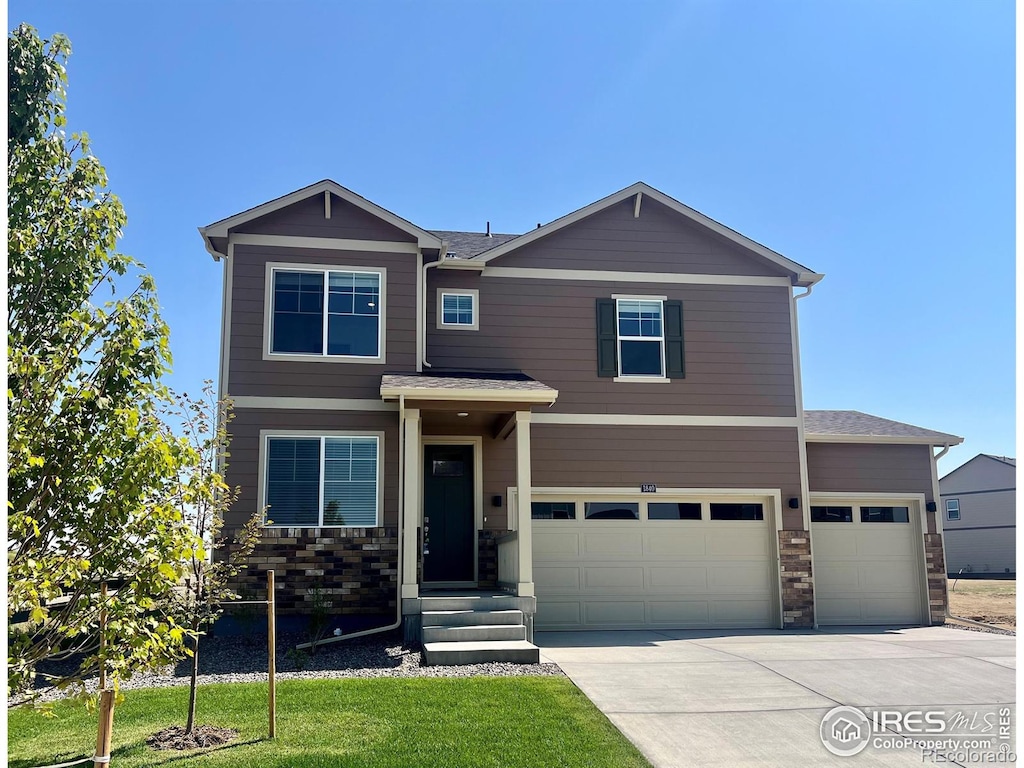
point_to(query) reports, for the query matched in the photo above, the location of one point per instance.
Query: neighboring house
(601, 417)
(979, 504)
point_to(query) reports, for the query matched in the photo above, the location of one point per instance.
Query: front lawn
(472, 722)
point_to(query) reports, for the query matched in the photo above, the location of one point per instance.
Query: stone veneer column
(797, 579)
(936, 567)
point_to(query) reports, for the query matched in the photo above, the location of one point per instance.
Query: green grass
(473, 722)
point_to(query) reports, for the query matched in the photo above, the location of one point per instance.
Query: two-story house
(600, 421)
(979, 499)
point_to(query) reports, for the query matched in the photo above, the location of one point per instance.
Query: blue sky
(872, 141)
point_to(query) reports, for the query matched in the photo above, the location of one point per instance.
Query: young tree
(91, 466)
(204, 497)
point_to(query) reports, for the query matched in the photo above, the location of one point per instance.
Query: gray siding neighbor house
(979, 506)
(597, 424)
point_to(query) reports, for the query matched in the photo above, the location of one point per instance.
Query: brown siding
(866, 468)
(306, 219)
(660, 240)
(250, 374)
(243, 469)
(738, 346)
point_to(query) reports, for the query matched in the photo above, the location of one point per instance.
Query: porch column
(411, 503)
(524, 519)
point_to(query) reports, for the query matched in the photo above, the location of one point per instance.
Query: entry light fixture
(930, 506)
(794, 503)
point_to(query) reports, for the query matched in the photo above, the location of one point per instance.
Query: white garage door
(633, 562)
(867, 562)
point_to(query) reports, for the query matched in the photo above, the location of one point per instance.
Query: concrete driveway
(756, 697)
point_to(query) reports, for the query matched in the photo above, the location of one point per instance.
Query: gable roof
(220, 228)
(858, 427)
(1001, 459)
(801, 274)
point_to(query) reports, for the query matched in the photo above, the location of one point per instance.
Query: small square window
(457, 309)
(952, 509)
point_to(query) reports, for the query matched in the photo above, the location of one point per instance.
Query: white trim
(948, 510)
(327, 204)
(261, 491)
(497, 395)
(801, 274)
(225, 324)
(798, 389)
(473, 293)
(636, 205)
(313, 403)
(883, 439)
(601, 275)
(641, 379)
(323, 243)
(412, 499)
(638, 297)
(220, 228)
(421, 312)
(666, 420)
(660, 338)
(325, 269)
(855, 496)
(477, 443)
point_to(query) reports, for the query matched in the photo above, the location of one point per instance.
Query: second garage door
(619, 563)
(867, 562)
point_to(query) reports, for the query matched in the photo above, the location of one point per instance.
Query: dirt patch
(992, 601)
(202, 736)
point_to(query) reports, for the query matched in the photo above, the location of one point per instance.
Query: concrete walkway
(756, 697)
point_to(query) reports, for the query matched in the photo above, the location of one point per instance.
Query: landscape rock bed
(233, 659)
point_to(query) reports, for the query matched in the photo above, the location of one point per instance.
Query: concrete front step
(469, 652)
(466, 618)
(480, 602)
(478, 632)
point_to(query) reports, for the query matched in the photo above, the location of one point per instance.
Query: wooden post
(106, 725)
(103, 639)
(272, 650)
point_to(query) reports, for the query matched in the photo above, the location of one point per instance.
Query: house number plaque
(648, 488)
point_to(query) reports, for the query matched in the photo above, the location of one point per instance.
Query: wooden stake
(106, 725)
(103, 638)
(272, 651)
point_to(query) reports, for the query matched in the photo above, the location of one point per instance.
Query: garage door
(619, 563)
(867, 562)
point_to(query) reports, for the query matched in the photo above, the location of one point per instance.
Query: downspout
(423, 286)
(398, 570)
(805, 500)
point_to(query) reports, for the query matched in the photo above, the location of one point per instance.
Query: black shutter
(607, 364)
(675, 366)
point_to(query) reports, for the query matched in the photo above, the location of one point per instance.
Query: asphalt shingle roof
(866, 425)
(1004, 459)
(468, 244)
(505, 381)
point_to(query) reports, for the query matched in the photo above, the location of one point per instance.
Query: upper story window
(321, 481)
(640, 338)
(952, 509)
(458, 309)
(327, 313)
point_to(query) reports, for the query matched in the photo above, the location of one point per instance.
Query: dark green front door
(448, 530)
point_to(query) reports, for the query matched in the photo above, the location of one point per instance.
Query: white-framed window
(458, 309)
(952, 509)
(641, 336)
(321, 481)
(323, 312)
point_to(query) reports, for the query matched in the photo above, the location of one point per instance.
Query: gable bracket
(327, 204)
(636, 205)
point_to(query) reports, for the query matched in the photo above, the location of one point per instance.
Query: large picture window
(330, 313)
(322, 481)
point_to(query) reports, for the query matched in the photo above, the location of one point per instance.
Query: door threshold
(434, 585)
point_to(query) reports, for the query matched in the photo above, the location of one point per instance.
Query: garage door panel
(740, 542)
(613, 613)
(676, 544)
(889, 610)
(625, 579)
(892, 543)
(837, 539)
(669, 577)
(617, 543)
(635, 573)
(838, 610)
(882, 577)
(557, 578)
(556, 545)
(833, 577)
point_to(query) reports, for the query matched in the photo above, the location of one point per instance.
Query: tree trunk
(190, 725)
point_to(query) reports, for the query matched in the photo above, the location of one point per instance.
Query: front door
(448, 530)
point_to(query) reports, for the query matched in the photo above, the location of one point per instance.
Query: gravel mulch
(954, 624)
(232, 659)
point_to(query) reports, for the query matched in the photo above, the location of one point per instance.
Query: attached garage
(627, 561)
(868, 560)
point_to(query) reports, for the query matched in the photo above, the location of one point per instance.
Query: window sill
(301, 358)
(458, 327)
(642, 379)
